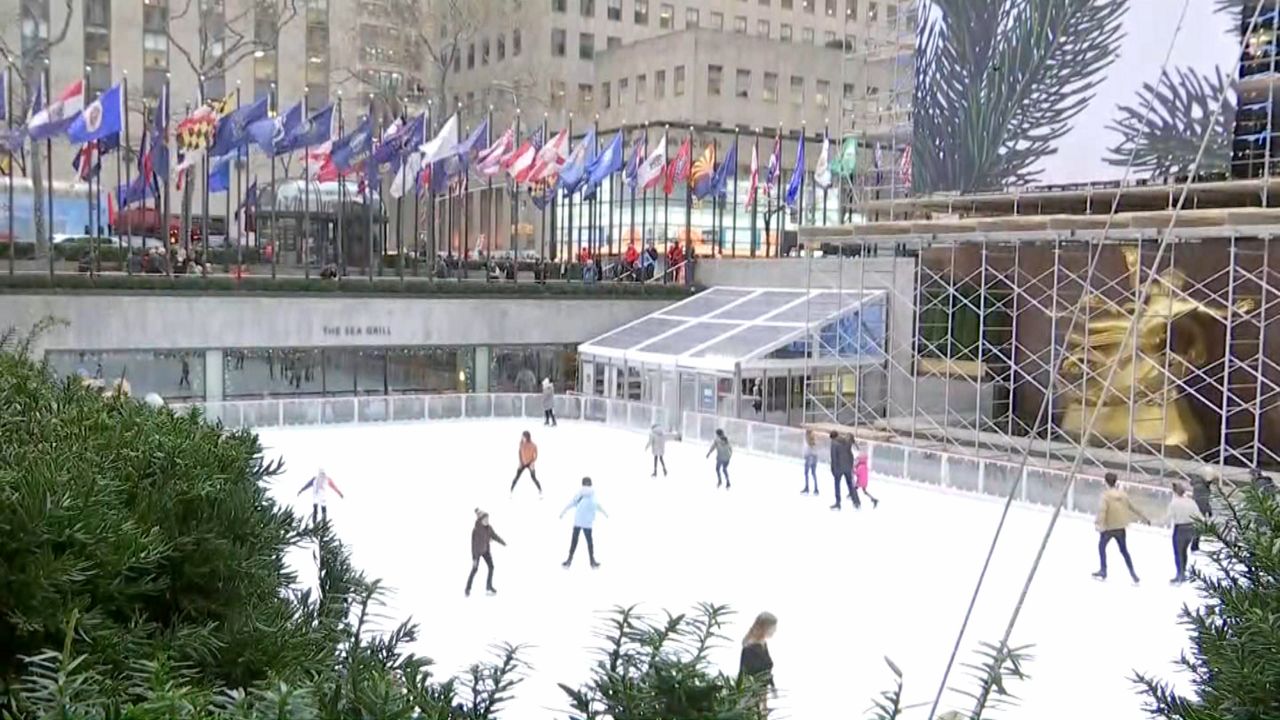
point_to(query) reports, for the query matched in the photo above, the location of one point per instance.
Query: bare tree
(29, 62)
(224, 41)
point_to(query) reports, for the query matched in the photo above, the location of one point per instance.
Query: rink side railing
(985, 476)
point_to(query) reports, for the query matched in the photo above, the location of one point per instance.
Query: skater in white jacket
(584, 505)
(319, 486)
(658, 445)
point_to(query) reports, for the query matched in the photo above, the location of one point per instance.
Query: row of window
(667, 12)
(623, 91)
(499, 48)
(587, 41)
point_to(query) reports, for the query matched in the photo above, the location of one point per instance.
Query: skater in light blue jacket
(584, 506)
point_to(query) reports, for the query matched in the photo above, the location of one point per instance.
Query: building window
(484, 51)
(666, 16)
(642, 88)
(613, 42)
(614, 10)
(155, 50)
(742, 84)
(715, 80)
(557, 95)
(846, 93)
(556, 6)
(740, 25)
(850, 9)
(679, 81)
(771, 87)
(624, 87)
(808, 6)
(690, 18)
(891, 13)
(642, 12)
(586, 46)
(502, 48)
(829, 39)
(806, 36)
(787, 4)
(264, 74)
(586, 98)
(784, 32)
(557, 42)
(97, 13)
(822, 94)
(797, 90)
(588, 8)
(831, 8)
(457, 60)
(763, 3)
(873, 12)
(605, 95)
(471, 55)
(762, 28)
(515, 43)
(659, 84)
(717, 21)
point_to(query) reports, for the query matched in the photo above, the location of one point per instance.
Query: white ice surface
(848, 588)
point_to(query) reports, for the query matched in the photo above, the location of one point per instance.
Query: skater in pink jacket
(861, 471)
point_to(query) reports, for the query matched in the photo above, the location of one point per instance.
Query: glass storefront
(257, 373)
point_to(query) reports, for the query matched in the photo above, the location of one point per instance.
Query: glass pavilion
(761, 354)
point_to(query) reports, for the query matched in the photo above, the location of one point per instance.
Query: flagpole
(86, 172)
(306, 184)
(124, 143)
(48, 157)
(464, 192)
(492, 234)
(226, 218)
(733, 248)
(275, 191)
(417, 192)
(165, 199)
(782, 208)
(666, 206)
(399, 203)
(374, 257)
(644, 200)
(514, 210)
(242, 171)
(341, 260)
(431, 208)
(8, 104)
(802, 170)
(688, 213)
(755, 202)
(826, 141)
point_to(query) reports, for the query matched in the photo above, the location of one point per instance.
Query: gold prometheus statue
(1145, 402)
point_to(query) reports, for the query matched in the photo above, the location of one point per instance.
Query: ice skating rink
(849, 588)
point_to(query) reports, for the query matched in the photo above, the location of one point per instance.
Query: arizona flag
(58, 115)
(678, 169)
(704, 170)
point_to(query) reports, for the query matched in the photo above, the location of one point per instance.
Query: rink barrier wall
(366, 409)
(984, 476)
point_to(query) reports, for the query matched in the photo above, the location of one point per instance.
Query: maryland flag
(193, 134)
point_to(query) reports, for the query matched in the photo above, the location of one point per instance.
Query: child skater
(481, 536)
(528, 456)
(724, 451)
(861, 472)
(810, 461)
(658, 444)
(319, 487)
(548, 403)
(584, 505)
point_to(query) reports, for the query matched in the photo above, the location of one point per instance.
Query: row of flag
(224, 132)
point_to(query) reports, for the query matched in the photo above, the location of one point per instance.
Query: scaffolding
(877, 97)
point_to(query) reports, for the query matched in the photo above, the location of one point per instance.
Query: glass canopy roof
(724, 328)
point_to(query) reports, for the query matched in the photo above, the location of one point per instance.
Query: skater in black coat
(755, 661)
(842, 466)
(481, 536)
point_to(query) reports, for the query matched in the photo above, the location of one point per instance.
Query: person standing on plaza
(842, 467)
(482, 536)
(1183, 515)
(724, 452)
(658, 446)
(584, 506)
(1114, 515)
(810, 461)
(528, 456)
(320, 485)
(755, 662)
(548, 403)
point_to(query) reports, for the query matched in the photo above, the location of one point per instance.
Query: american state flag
(904, 167)
(755, 176)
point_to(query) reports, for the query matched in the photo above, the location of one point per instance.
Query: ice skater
(1183, 515)
(584, 506)
(1201, 493)
(482, 535)
(1114, 515)
(528, 456)
(548, 403)
(861, 476)
(810, 461)
(320, 485)
(842, 467)
(657, 445)
(755, 662)
(724, 452)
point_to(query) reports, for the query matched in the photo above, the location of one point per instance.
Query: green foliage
(659, 669)
(1000, 664)
(998, 83)
(144, 546)
(889, 705)
(350, 286)
(1234, 660)
(1162, 132)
